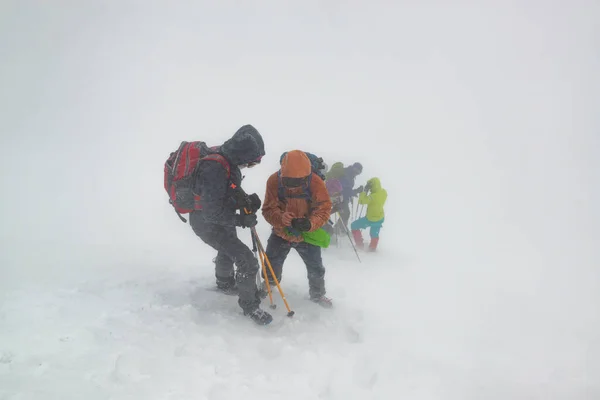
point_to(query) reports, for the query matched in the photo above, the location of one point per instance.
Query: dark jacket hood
(245, 146)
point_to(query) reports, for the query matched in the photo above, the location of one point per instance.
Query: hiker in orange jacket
(296, 201)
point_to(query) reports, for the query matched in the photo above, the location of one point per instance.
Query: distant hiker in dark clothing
(218, 184)
(297, 205)
(347, 180)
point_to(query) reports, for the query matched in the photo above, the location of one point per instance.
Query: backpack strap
(221, 160)
(280, 188)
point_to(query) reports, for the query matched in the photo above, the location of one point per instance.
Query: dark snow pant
(278, 250)
(231, 250)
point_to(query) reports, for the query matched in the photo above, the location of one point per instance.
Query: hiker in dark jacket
(216, 223)
(347, 180)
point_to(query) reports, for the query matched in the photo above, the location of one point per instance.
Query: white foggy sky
(478, 116)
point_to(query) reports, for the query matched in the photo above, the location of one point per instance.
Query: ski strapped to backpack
(180, 171)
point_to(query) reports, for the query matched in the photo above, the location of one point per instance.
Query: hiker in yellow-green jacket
(375, 215)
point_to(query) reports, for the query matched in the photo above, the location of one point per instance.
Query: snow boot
(358, 239)
(229, 291)
(227, 286)
(259, 316)
(323, 301)
(373, 244)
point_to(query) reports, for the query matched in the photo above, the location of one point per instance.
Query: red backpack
(180, 173)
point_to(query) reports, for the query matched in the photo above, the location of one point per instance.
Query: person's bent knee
(316, 273)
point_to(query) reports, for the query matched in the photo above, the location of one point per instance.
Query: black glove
(301, 224)
(239, 199)
(246, 220)
(356, 191)
(254, 202)
(368, 186)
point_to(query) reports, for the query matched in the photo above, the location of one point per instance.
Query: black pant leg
(224, 271)
(315, 271)
(225, 241)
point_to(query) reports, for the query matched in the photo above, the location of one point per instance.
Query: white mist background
(480, 119)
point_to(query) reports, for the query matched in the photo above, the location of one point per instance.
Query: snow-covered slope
(479, 120)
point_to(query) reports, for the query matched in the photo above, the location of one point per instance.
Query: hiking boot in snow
(228, 290)
(323, 301)
(259, 316)
(358, 240)
(227, 286)
(373, 245)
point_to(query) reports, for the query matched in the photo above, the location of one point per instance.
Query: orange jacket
(296, 164)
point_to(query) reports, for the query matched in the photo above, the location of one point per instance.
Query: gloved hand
(246, 220)
(356, 191)
(239, 199)
(301, 224)
(287, 218)
(254, 202)
(368, 186)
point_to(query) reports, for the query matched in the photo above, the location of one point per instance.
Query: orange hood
(295, 164)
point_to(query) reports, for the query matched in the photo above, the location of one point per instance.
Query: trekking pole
(264, 254)
(350, 238)
(264, 270)
(255, 250)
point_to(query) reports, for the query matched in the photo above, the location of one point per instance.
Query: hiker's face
(251, 164)
(292, 182)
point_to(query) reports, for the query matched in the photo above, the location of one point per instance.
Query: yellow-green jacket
(374, 201)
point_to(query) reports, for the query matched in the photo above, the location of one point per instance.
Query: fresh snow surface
(480, 119)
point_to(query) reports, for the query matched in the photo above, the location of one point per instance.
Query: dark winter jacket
(347, 181)
(215, 189)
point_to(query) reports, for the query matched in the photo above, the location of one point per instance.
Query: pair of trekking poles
(257, 247)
